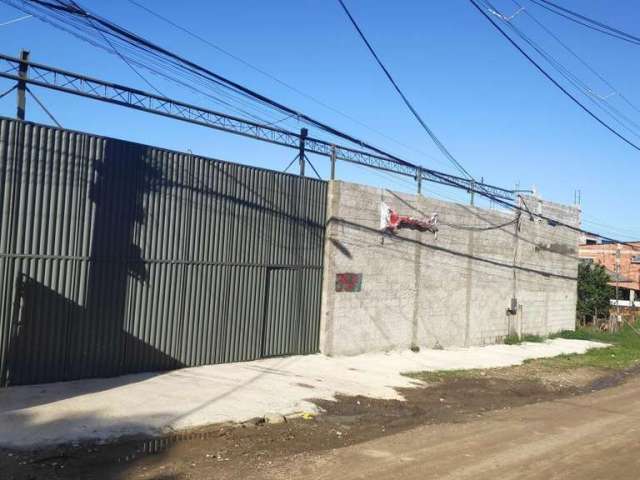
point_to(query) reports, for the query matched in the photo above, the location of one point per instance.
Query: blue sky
(494, 111)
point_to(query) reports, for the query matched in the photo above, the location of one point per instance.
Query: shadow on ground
(230, 451)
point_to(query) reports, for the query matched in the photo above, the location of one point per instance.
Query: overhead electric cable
(551, 79)
(277, 80)
(587, 22)
(160, 66)
(406, 101)
(15, 20)
(474, 228)
(134, 69)
(623, 120)
(445, 179)
(135, 39)
(63, 8)
(576, 56)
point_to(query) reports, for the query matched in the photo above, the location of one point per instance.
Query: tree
(594, 292)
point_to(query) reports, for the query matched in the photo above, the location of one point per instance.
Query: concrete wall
(453, 290)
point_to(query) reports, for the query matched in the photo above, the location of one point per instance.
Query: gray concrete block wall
(450, 290)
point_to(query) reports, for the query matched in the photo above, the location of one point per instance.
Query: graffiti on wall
(348, 282)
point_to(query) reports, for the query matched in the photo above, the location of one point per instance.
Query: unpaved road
(594, 436)
(518, 423)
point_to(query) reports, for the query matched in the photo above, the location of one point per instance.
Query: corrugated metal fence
(117, 257)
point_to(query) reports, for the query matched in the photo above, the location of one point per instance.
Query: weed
(623, 353)
(512, 339)
(533, 338)
(442, 375)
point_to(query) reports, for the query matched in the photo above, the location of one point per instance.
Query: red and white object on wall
(391, 221)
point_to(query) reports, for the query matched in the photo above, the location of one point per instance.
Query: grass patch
(533, 338)
(623, 353)
(442, 375)
(514, 339)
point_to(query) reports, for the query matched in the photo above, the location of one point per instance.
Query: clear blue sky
(499, 116)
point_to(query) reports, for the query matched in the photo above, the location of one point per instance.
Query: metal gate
(118, 257)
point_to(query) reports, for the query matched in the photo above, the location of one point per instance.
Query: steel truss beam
(77, 84)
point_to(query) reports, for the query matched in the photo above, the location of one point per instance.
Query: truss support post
(22, 85)
(15, 69)
(301, 158)
(419, 180)
(472, 193)
(333, 162)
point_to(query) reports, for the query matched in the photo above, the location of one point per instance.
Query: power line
(587, 22)
(146, 45)
(122, 57)
(600, 102)
(611, 229)
(67, 78)
(201, 71)
(430, 132)
(88, 29)
(474, 228)
(279, 81)
(552, 80)
(15, 20)
(576, 56)
(161, 66)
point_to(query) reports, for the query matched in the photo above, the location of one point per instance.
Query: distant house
(622, 262)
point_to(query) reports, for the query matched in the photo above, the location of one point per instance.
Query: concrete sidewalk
(100, 409)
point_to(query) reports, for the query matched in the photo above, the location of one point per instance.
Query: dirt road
(517, 423)
(594, 436)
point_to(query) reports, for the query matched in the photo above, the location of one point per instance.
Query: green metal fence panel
(117, 257)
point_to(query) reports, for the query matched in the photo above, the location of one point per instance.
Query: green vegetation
(533, 338)
(623, 353)
(594, 292)
(442, 375)
(514, 339)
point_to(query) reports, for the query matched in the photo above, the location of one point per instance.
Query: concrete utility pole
(22, 85)
(301, 161)
(419, 180)
(333, 162)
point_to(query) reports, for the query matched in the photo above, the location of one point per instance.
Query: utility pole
(419, 180)
(333, 162)
(618, 318)
(22, 85)
(301, 159)
(472, 191)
